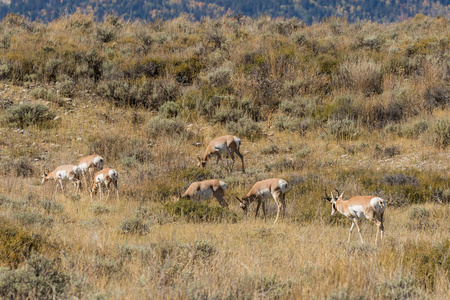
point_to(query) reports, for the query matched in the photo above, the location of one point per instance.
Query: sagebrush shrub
(362, 75)
(158, 126)
(27, 114)
(245, 127)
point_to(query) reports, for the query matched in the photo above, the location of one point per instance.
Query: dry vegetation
(362, 107)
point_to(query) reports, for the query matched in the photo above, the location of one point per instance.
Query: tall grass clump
(363, 75)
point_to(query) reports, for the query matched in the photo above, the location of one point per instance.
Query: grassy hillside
(361, 107)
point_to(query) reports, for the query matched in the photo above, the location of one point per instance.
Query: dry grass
(138, 248)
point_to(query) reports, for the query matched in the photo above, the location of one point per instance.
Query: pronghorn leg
(242, 159)
(380, 228)
(219, 196)
(276, 197)
(117, 190)
(283, 205)
(350, 233)
(264, 208)
(356, 220)
(257, 207)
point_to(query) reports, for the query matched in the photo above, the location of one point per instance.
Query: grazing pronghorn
(262, 190)
(64, 173)
(227, 144)
(105, 178)
(89, 165)
(359, 207)
(202, 190)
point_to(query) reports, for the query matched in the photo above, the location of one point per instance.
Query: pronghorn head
(44, 177)
(202, 161)
(94, 188)
(333, 200)
(244, 203)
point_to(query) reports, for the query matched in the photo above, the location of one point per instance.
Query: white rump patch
(98, 162)
(223, 185)
(237, 141)
(283, 186)
(378, 204)
(77, 170)
(113, 174)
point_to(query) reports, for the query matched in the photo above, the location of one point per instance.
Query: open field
(363, 108)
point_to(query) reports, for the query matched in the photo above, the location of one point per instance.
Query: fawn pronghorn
(64, 173)
(359, 207)
(262, 190)
(227, 144)
(104, 179)
(89, 165)
(202, 190)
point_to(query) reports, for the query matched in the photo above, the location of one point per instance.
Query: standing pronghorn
(202, 190)
(105, 178)
(262, 190)
(227, 144)
(359, 207)
(64, 173)
(89, 165)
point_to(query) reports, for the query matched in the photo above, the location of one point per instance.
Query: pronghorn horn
(239, 200)
(326, 196)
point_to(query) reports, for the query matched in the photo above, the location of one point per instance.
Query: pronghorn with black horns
(359, 207)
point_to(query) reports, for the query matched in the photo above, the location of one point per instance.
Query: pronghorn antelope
(202, 190)
(64, 173)
(359, 207)
(227, 144)
(89, 165)
(262, 190)
(104, 179)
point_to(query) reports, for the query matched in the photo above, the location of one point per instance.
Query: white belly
(205, 194)
(83, 166)
(265, 194)
(62, 175)
(222, 148)
(99, 178)
(357, 211)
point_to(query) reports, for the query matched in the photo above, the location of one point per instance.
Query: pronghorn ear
(239, 200)
(342, 195)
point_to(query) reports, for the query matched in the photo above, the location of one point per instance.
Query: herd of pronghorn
(91, 168)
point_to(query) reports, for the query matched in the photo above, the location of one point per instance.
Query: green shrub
(203, 249)
(99, 209)
(143, 212)
(224, 115)
(245, 127)
(17, 244)
(193, 211)
(399, 288)
(51, 207)
(21, 167)
(169, 109)
(39, 279)
(345, 129)
(440, 133)
(134, 226)
(28, 114)
(66, 88)
(31, 218)
(158, 126)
